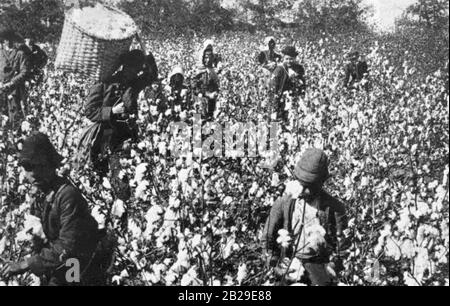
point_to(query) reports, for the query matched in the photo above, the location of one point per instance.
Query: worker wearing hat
(287, 77)
(113, 109)
(14, 70)
(268, 58)
(355, 69)
(315, 220)
(70, 230)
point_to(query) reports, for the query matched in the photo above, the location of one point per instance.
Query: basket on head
(93, 39)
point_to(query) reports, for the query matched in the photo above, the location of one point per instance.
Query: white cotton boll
(297, 270)
(162, 148)
(172, 171)
(23, 236)
(141, 190)
(98, 216)
(33, 226)
(106, 184)
(174, 202)
(294, 188)
(275, 180)
(364, 182)
(283, 239)
(134, 229)
(118, 208)
(26, 126)
(254, 188)
(242, 273)
(183, 175)
(196, 241)
(154, 110)
(227, 201)
(3, 244)
(422, 210)
(140, 172)
(105, 23)
(170, 217)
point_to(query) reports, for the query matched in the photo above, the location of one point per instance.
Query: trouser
(120, 183)
(210, 108)
(279, 109)
(318, 274)
(11, 107)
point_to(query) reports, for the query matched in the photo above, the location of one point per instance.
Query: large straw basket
(88, 54)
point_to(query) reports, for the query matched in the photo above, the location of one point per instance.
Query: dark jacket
(332, 216)
(37, 57)
(205, 81)
(70, 229)
(14, 69)
(282, 82)
(354, 73)
(265, 57)
(116, 129)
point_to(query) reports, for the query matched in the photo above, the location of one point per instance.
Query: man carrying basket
(112, 106)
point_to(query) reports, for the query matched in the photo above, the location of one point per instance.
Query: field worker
(38, 59)
(14, 69)
(314, 220)
(268, 58)
(355, 70)
(205, 83)
(216, 57)
(157, 99)
(112, 107)
(70, 230)
(287, 77)
(177, 91)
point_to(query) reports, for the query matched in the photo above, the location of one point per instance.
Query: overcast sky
(385, 11)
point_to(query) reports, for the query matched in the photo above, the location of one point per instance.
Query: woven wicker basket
(85, 53)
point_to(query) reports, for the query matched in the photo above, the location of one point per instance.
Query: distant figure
(14, 70)
(216, 57)
(157, 100)
(287, 77)
(177, 91)
(355, 70)
(205, 83)
(268, 59)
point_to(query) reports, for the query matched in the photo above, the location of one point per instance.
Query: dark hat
(290, 51)
(312, 167)
(133, 58)
(38, 150)
(353, 55)
(10, 35)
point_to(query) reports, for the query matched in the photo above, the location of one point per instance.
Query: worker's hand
(12, 268)
(212, 95)
(4, 86)
(282, 268)
(270, 259)
(271, 65)
(118, 109)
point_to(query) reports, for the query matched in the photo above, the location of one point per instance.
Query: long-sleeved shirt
(68, 226)
(354, 73)
(267, 57)
(104, 96)
(330, 212)
(282, 81)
